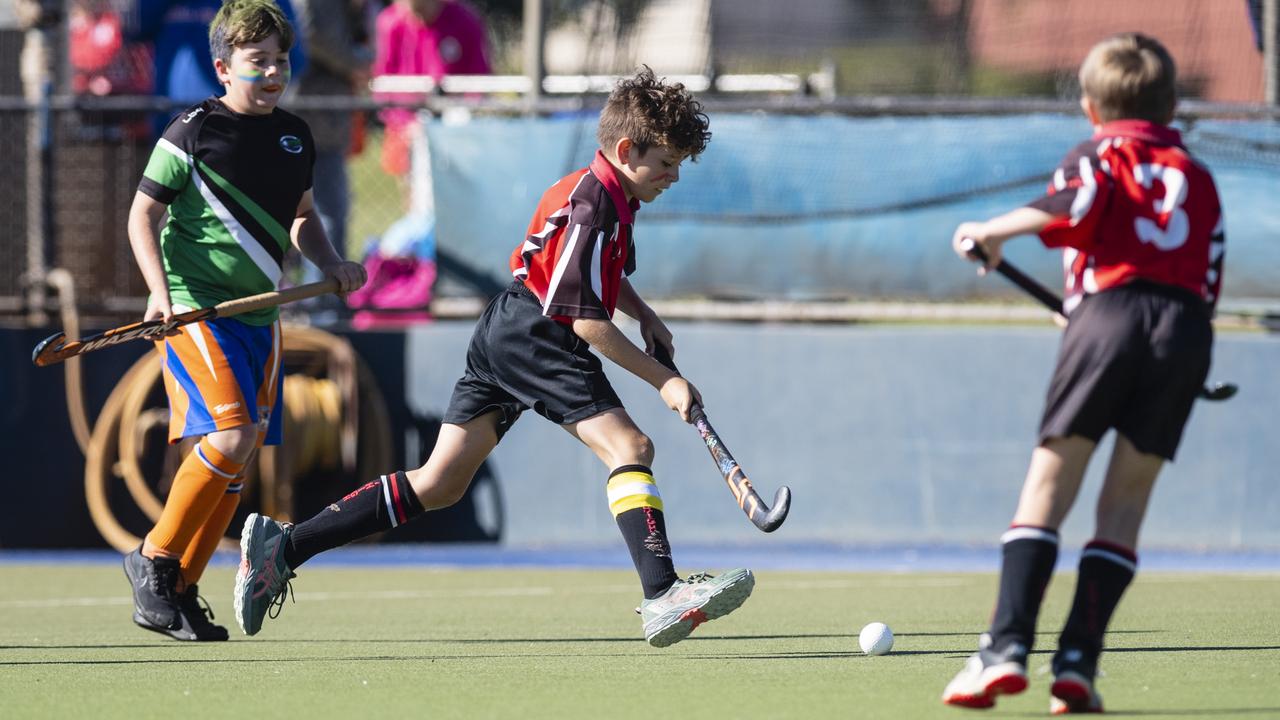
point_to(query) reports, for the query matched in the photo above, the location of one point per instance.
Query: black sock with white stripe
(1106, 569)
(1029, 556)
(380, 505)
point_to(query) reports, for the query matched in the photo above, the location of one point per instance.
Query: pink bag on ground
(397, 294)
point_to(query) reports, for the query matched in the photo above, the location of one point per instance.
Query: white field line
(499, 592)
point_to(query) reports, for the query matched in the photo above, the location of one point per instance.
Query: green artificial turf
(453, 643)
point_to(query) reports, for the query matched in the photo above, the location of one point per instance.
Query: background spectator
(101, 62)
(424, 37)
(338, 56)
(179, 30)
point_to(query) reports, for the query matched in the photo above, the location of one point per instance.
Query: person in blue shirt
(179, 29)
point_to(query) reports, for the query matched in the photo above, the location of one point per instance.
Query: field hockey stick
(760, 514)
(1215, 392)
(56, 348)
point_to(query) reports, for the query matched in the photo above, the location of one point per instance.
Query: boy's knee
(236, 443)
(436, 492)
(640, 447)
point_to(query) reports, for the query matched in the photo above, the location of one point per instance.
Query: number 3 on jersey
(1175, 231)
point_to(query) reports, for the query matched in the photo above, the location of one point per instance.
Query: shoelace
(700, 577)
(164, 581)
(277, 601)
(204, 616)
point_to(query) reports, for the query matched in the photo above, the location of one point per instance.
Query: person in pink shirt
(424, 37)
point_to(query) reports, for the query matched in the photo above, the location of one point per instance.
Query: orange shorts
(221, 374)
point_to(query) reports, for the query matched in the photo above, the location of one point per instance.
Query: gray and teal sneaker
(670, 617)
(262, 581)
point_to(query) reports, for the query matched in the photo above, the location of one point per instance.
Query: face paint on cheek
(250, 75)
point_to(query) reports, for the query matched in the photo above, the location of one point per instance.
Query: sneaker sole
(174, 634)
(976, 702)
(1003, 679)
(729, 598)
(1073, 695)
(249, 537)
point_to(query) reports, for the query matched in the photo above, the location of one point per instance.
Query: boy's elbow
(584, 328)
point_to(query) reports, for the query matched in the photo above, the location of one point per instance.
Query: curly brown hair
(653, 113)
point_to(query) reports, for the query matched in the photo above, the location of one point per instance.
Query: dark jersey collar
(1143, 130)
(603, 170)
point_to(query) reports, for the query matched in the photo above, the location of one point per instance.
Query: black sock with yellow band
(637, 506)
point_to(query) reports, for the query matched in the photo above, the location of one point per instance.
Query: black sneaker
(1072, 691)
(155, 602)
(195, 614)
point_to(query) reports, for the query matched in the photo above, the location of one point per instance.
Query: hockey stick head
(772, 519)
(1218, 391)
(46, 351)
(56, 348)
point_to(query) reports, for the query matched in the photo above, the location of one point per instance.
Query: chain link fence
(96, 153)
(71, 166)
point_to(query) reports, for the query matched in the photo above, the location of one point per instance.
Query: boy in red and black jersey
(1141, 227)
(532, 349)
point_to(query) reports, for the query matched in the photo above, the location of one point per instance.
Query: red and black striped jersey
(1130, 204)
(578, 247)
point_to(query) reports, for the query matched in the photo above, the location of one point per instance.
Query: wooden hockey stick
(1214, 392)
(760, 514)
(56, 348)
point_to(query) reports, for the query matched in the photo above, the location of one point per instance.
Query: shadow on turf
(629, 638)
(406, 641)
(1266, 712)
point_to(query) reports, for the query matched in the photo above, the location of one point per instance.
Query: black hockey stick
(56, 348)
(1216, 391)
(760, 514)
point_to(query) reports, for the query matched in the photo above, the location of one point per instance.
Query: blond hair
(1130, 75)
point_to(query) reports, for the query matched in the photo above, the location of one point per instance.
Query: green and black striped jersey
(232, 183)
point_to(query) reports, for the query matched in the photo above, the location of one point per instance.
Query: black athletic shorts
(520, 359)
(1133, 358)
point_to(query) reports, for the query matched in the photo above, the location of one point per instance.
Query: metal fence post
(38, 88)
(535, 25)
(1270, 55)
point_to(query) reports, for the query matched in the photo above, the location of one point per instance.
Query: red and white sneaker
(1073, 691)
(988, 674)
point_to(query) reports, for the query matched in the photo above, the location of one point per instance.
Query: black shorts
(520, 359)
(1133, 358)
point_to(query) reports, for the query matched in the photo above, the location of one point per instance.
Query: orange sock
(206, 540)
(198, 489)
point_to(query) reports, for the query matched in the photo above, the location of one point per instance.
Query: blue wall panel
(828, 206)
(885, 434)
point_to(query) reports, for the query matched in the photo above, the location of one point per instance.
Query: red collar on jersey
(1144, 130)
(603, 170)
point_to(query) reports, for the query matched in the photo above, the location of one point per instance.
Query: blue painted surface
(818, 207)
(887, 435)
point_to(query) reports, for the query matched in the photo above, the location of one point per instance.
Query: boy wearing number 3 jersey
(1141, 229)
